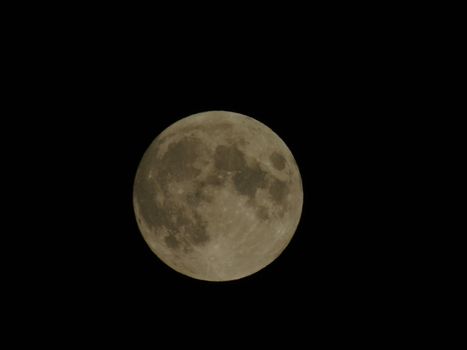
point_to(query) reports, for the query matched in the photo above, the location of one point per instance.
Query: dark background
(97, 101)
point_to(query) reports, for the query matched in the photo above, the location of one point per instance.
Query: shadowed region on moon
(278, 191)
(177, 163)
(206, 183)
(262, 213)
(246, 179)
(229, 158)
(278, 161)
(182, 225)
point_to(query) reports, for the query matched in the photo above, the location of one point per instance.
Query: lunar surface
(217, 196)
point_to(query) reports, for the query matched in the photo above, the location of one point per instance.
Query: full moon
(217, 196)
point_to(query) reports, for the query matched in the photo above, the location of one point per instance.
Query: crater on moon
(277, 160)
(207, 200)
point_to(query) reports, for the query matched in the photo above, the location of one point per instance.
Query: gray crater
(171, 242)
(277, 160)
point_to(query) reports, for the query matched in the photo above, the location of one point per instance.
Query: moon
(217, 196)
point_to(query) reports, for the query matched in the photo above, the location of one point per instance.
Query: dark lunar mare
(177, 164)
(247, 179)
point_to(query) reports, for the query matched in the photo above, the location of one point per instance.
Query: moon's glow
(218, 196)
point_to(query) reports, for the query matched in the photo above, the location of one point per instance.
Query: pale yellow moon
(218, 196)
